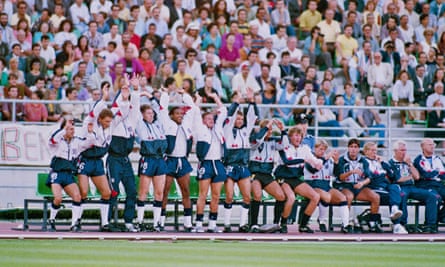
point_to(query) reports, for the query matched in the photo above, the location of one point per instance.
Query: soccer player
(126, 110)
(65, 148)
(178, 127)
(376, 173)
(432, 173)
(351, 182)
(237, 131)
(90, 163)
(320, 180)
(293, 156)
(261, 164)
(152, 167)
(405, 175)
(211, 172)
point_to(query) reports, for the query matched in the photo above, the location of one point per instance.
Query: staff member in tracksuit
(237, 131)
(178, 127)
(126, 110)
(377, 173)
(211, 172)
(90, 163)
(432, 173)
(405, 174)
(351, 182)
(261, 164)
(152, 166)
(321, 181)
(293, 156)
(65, 148)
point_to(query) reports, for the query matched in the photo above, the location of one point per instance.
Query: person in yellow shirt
(346, 47)
(309, 18)
(181, 75)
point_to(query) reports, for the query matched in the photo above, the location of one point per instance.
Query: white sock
(140, 213)
(75, 214)
(53, 213)
(198, 224)
(227, 216)
(212, 224)
(394, 208)
(157, 216)
(162, 221)
(188, 221)
(344, 214)
(104, 209)
(323, 213)
(244, 218)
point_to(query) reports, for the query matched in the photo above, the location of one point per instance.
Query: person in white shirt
(380, 77)
(263, 25)
(437, 95)
(244, 80)
(279, 39)
(403, 94)
(47, 52)
(100, 5)
(80, 15)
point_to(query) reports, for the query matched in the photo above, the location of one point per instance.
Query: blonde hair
(321, 142)
(296, 130)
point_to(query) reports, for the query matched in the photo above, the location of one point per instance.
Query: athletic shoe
(189, 229)
(399, 229)
(243, 229)
(305, 229)
(283, 229)
(323, 227)
(227, 229)
(254, 229)
(375, 228)
(109, 228)
(198, 229)
(52, 225)
(213, 230)
(129, 227)
(347, 229)
(428, 229)
(396, 214)
(76, 227)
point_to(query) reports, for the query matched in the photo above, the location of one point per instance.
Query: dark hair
(353, 141)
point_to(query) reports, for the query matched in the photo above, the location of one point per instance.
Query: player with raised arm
(237, 129)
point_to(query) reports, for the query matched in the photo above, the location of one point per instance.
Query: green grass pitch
(111, 253)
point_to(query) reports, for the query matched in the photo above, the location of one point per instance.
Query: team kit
(233, 148)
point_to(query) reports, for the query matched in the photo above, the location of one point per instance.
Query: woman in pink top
(36, 112)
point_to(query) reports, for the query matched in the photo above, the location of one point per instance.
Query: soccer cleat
(347, 229)
(52, 225)
(109, 228)
(244, 228)
(396, 214)
(189, 229)
(213, 230)
(198, 229)
(375, 228)
(283, 229)
(129, 227)
(323, 227)
(227, 229)
(254, 229)
(76, 228)
(399, 229)
(428, 229)
(305, 229)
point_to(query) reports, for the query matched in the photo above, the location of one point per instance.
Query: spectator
(436, 121)
(437, 95)
(346, 47)
(370, 120)
(403, 96)
(64, 34)
(35, 112)
(14, 69)
(327, 118)
(73, 109)
(208, 91)
(57, 17)
(54, 110)
(352, 127)
(286, 96)
(100, 76)
(230, 58)
(6, 30)
(330, 29)
(244, 81)
(309, 18)
(82, 91)
(7, 112)
(113, 35)
(315, 47)
(380, 77)
(280, 16)
(114, 19)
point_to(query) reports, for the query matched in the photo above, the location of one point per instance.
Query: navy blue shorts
(178, 167)
(237, 173)
(264, 178)
(91, 167)
(348, 186)
(293, 183)
(62, 178)
(321, 184)
(152, 167)
(212, 169)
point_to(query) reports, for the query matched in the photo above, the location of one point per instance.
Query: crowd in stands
(319, 53)
(64, 49)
